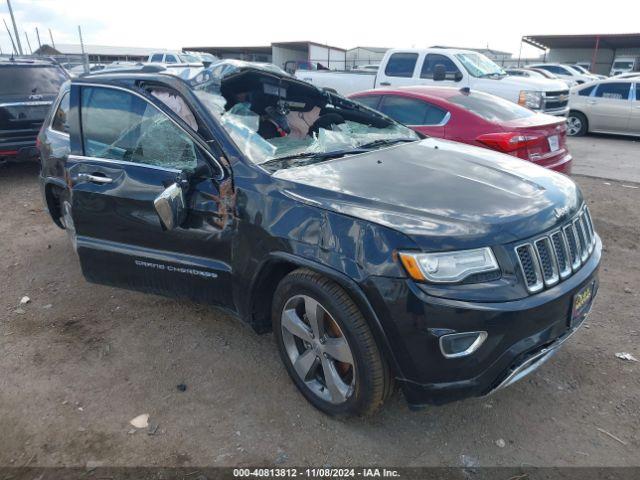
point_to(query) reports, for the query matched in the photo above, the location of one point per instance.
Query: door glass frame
(198, 142)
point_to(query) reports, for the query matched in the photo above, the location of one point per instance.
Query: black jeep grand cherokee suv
(27, 89)
(375, 256)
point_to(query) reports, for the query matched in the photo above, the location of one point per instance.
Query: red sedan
(478, 119)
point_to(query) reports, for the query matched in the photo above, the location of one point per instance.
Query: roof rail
(130, 69)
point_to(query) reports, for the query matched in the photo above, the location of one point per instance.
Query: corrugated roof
(607, 40)
(370, 49)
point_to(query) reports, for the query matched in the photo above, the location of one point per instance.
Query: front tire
(577, 124)
(327, 346)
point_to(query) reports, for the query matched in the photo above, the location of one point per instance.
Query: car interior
(270, 115)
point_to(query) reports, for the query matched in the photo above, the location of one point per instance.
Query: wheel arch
(577, 110)
(52, 190)
(279, 265)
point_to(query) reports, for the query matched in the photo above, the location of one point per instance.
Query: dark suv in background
(376, 256)
(27, 89)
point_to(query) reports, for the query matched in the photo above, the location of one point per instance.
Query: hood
(532, 83)
(442, 194)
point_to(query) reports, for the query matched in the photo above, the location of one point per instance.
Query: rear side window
(554, 69)
(430, 62)
(30, 80)
(170, 59)
(370, 101)
(157, 57)
(121, 126)
(411, 111)
(490, 107)
(638, 91)
(401, 65)
(585, 92)
(59, 122)
(614, 91)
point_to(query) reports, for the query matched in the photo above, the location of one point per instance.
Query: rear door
(610, 107)
(415, 113)
(128, 152)
(399, 70)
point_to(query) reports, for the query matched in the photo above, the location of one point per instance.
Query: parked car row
(376, 256)
(448, 67)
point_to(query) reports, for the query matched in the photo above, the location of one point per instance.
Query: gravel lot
(79, 361)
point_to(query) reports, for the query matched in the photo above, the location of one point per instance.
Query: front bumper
(557, 112)
(522, 334)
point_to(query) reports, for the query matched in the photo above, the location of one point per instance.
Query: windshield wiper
(312, 156)
(385, 142)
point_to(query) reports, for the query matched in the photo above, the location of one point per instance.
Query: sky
(401, 23)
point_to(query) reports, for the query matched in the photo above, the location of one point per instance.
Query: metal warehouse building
(359, 56)
(597, 50)
(279, 53)
(99, 53)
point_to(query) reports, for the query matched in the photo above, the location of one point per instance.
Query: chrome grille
(550, 258)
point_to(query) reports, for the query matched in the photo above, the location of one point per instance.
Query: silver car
(605, 106)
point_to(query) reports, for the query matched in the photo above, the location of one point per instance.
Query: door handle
(591, 102)
(94, 178)
(385, 84)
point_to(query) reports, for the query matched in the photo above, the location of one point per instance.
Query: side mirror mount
(171, 207)
(439, 72)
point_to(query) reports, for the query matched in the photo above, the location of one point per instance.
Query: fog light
(455, 345)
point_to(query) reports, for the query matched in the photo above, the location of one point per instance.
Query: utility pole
(28, 43)
(38, 36)
(15, 51)
(85, 58)
(15, 28)
(53, 44)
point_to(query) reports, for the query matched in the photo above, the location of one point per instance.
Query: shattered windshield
(479, 66)
(282, 122)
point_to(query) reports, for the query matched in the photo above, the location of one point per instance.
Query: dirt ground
(79, 361)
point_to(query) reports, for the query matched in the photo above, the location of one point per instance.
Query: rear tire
(327, 346)
(577, 124)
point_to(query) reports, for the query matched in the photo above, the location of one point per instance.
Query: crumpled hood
(440, 193)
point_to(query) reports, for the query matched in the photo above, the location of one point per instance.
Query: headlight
(448, 267)
(530, 99)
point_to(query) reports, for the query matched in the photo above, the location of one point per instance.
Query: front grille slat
(582, 238)
(530, 268)
(562, 254)
(548, 259)
(574, 247)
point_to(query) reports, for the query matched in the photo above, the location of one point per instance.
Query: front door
(634, 124)
(610, 107)
(130, 151)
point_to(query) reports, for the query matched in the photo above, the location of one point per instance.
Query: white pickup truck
(447, 66)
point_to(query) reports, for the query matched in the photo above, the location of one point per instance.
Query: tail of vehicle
(543, 144)
(20, 121)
